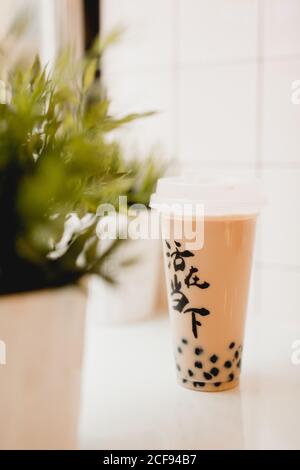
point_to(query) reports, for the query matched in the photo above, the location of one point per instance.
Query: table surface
(131, 399)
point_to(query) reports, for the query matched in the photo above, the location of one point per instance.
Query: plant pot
(43, 332)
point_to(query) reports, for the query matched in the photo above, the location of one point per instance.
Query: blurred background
(222, 76)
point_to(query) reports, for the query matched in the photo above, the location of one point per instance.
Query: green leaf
(89, 74)
(35, 70)
(128, 262)
(102, 44)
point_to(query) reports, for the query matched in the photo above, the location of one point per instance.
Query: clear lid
(218, 194)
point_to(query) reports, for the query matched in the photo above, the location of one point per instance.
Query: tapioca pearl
(184, 341)
(178, 367)
(207, 375)
(179, 349)
(236, 354)
(184, 381)
(198, 351)
(228, 364)
(217, 384)
(238, 364)
(231, 346)
(213, 358)
(198, 364)
(199, 384)
(230, 377)
(214, 371)
(190, 372)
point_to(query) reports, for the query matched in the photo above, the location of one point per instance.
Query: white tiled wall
(211, 125)
(221, 72)
(281, 35)
(138, 91)
(217, 30)
(280, 118)
(148, 29)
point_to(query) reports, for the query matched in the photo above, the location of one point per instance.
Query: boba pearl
(184, 341)
(198, 364)
(179, 349)
(228, 364)
(207, 376)
(198, 351)
(217, 384)
(190, 372)
(178, 367)
(230, 377)
(199, 384)
(214, 371)
(214, 358)
(231, 346)
(184, 381)
(236, 354)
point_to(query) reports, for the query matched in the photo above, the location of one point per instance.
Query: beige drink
(208, 282)
(208, 292)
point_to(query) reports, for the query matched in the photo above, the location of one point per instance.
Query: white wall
(53, 25)
(11, 9)
(41, 35)
(221, 71)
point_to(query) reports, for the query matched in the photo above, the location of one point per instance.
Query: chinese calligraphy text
(177, 261)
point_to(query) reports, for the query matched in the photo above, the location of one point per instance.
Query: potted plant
(58, 162)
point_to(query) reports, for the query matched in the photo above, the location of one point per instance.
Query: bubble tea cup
(208, 229)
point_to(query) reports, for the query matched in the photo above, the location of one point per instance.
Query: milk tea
(207, 294)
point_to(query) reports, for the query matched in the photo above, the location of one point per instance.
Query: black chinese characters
(181, 303)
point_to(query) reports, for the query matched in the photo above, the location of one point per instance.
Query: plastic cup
(208, 227)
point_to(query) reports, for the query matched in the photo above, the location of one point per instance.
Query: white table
(131, 399)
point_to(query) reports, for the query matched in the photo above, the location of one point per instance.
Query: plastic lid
(219, 194)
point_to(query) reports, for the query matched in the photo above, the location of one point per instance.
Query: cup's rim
(216, 195)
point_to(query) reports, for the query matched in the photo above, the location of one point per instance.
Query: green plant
(57, 159)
